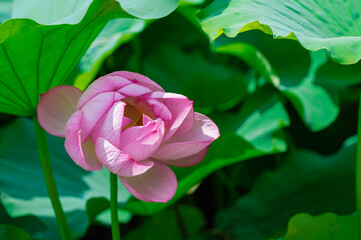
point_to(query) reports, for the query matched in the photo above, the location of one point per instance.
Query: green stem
(358, 166)
(49, 180)
(114, 205)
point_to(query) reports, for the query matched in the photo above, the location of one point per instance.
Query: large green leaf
(338, 76)
(105, 217)
(264, 117)
(23, 191)
(149, 9)
(71, 12)
(314, 105)
(34, 57)
(327, 226)
(8, 232)
(260, 120)
(333, 25)
(52, 52)
(32, 224)
(313, 102)
(291, 69)
(50, 12)
(306, 182)
(5, 10)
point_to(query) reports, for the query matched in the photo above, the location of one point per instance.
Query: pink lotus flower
(127, 123)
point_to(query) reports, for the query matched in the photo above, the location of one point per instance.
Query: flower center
(132, 113)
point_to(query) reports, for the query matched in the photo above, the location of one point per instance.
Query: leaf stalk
(50, 181)
(114, 206)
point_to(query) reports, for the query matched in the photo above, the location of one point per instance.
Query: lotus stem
(114, 205)
(50, 181)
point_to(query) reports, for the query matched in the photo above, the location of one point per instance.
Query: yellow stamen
(131, 112)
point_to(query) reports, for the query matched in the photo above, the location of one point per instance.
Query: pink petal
(158, 184)
(166, 95)
(95, 108)
(55, 108)
(160, 110)
(187, 161)
(135, 90)
(183, 121)
(180, 108)
(125, 122)
(138, 78)
(153, 108)
(90, 157)
(104, 84)
(82, 154)
(147, 120)
(133, 133)
(144, 107)
(140, 142)
(119, 162)
(110, 126)
(203, 133)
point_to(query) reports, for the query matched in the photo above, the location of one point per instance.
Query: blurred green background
(287, 116)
